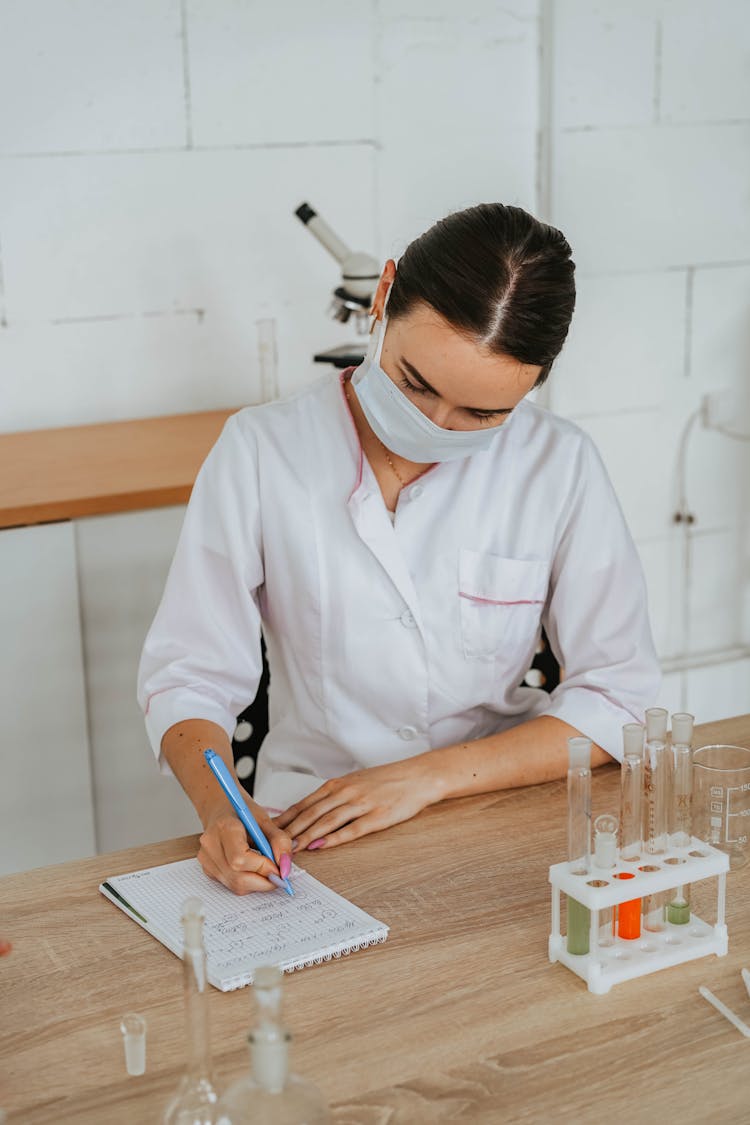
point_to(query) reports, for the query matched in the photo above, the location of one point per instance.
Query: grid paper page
(243, 932)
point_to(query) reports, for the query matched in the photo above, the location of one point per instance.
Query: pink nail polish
(285, 865)
(316, 844)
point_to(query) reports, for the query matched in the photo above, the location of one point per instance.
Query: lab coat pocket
(500, 603)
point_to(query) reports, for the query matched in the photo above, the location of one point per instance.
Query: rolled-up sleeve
(202, 657)
(596, 616)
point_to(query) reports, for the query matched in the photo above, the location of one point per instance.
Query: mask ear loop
(375, 344)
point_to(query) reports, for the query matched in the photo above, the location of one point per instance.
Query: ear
(386, 280)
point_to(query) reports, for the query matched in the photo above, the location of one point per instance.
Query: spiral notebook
(243, 932)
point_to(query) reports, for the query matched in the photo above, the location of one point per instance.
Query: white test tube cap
(579, 753)
(656, 724)
(605, 840)
(632, 740)
(682, 728)
(133, 1028)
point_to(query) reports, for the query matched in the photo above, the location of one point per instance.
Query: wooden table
(75, 471)
(459, 1016)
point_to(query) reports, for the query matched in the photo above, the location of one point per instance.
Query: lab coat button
(408, 733)
(415, 492)
(407, 619)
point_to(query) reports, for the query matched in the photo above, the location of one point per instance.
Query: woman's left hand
(365, 801)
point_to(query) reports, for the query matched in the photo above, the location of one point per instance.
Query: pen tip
(288, 889)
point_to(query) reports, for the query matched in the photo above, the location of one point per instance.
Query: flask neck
(196, 1012)
(269, 1057)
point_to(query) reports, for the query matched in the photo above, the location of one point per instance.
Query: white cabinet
(46, 811)
(123, 562)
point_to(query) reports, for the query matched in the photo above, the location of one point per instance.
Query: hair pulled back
(496, 274)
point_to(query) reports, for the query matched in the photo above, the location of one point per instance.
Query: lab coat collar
(371, 520)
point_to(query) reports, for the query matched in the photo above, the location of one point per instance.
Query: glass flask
(269, 1094)
(194, 1102)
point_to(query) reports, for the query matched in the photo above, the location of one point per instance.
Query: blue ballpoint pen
(227, 783)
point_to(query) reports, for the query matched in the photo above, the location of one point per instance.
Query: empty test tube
(657, 788)
(133, 1028)
(678, 904)
(682, 780)
(579, 838)
(631, 793)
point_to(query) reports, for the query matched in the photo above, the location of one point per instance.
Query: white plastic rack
(624, 959)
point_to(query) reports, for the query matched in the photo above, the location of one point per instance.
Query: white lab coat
(389, 639)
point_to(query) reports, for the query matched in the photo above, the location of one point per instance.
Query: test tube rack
(624, 959)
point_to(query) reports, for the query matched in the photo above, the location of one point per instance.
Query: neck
(374, 447)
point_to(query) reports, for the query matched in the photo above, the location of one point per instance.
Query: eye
(486, 416)
(413, 387)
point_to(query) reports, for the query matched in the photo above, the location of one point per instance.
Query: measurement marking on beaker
(740, 813)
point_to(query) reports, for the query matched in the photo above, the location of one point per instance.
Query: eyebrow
(472, 409)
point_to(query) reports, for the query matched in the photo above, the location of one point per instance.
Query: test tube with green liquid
(579, 838)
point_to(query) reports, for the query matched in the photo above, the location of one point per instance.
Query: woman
(402, 532)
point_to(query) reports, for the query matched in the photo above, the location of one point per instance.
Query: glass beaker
(721, 799)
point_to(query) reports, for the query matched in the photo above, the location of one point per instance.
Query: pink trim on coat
(343, 378)
(491, 601)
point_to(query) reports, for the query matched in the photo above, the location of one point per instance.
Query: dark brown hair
(496, 274)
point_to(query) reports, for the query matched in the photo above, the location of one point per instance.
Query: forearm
(183, 746)
(529, 754)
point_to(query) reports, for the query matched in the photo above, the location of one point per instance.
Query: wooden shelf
(62, 474)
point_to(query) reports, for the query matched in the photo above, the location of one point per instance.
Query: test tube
(579, 838)
(682, 780)
(631, 793)
(133, 1028)
(631, 822)
(656, 805)
(605, 858)
(268, 359)
(678, 906)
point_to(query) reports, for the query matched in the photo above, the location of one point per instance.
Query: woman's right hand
(226, 855)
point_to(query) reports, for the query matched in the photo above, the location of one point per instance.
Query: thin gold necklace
(396, 473)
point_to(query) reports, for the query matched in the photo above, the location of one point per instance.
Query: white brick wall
(152, 154)
(90, 76)
(650, 180)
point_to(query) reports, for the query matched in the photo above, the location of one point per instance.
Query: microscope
(360, 274)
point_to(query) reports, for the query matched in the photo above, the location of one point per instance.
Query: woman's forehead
(452, 361)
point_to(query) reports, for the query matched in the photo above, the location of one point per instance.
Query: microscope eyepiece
(305, 212)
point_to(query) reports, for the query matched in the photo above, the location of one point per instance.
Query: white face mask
(401, 425)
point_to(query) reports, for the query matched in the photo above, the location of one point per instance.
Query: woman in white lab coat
(401, 533)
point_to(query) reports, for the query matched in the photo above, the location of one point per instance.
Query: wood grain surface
(458, 1017)
(75, 471)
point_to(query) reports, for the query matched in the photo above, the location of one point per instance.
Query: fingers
(284, 819)
(224, 855)
(314, 813)
(354, 830)
(281, 845)
(238, 883)
(318, 826)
